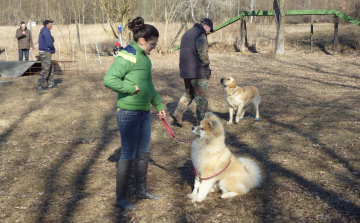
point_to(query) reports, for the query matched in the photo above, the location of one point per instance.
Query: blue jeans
(135, 132)
(26, 51)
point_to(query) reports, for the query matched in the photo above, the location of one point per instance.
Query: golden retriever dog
(215, 167)
(239, 98)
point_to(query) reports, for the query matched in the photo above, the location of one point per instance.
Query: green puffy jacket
(133, 67)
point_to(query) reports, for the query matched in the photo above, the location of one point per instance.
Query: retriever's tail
(252, 169)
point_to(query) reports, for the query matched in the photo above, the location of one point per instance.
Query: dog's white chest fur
(198, 152)
(233, 99)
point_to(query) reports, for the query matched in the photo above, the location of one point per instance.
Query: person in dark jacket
(195, 70)
(46, 48)
(23, 34)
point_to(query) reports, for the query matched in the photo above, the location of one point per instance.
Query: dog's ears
(209, 115)
(212, 123)
(233, 84)
(216, 128)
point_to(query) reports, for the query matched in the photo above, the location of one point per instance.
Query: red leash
(167, 125)
(208, 178)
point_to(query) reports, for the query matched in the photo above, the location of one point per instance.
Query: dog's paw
(229, 195)
(229, 122)
(238, 120)
(197, 200)
(191, 196)
(215, 189)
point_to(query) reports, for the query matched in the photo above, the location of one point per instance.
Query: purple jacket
(46, 41)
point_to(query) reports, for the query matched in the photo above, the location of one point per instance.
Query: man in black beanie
(195, 70)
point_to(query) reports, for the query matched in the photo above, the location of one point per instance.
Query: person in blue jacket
(46, 48)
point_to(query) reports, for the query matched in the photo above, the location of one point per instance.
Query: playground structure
(335, 13)
(20, 68)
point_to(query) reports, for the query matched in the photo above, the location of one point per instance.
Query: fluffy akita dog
(239, 98)
(214, 165)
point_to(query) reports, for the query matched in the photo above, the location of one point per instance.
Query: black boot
(141, 166)
(122, 175)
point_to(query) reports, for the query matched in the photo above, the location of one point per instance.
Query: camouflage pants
(194, 88)
(47, 73)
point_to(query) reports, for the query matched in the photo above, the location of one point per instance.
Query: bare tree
(192, 9)
(207, 9)
(250, 5)
(172, 7)
(117, 12)
(280, 23)
(75, 6)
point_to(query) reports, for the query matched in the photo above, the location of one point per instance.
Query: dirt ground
(58, 147)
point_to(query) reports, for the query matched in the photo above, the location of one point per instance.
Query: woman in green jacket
(130, 77)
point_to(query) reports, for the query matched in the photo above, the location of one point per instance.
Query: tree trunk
(78, 33)
(280, 25)
(252, 4)
(166, 26)
(242, 34)
(336, 34)
(207, 9)
(192, 5)
(95, 12)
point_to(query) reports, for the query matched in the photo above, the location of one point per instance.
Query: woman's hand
(161, 114)
(136, 89)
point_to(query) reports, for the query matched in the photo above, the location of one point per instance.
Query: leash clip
(177, 141)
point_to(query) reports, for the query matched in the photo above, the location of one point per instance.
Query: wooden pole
(98, 52)
(85, 50)
(279, 13)
(6, 54)
(242, 34)
(312, 33)
(336, 34)
(73, 51)
(246, 42)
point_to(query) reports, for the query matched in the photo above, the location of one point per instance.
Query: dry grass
(56, 146)
(261, 38)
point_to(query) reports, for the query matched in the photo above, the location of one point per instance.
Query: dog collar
(208, 178)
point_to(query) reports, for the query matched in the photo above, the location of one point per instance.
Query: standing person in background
(130, 76)
(195, 70)
(46, 48)
(23, 34)
(117, 48)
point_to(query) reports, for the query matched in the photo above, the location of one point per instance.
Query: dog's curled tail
(252, 169)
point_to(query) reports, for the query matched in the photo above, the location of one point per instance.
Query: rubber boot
(141, 166)
(122, 176)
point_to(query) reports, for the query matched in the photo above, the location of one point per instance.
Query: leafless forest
(97, 11)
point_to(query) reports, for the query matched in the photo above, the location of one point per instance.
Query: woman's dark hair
(142, 30)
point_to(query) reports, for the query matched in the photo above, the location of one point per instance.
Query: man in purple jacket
(46, 48)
